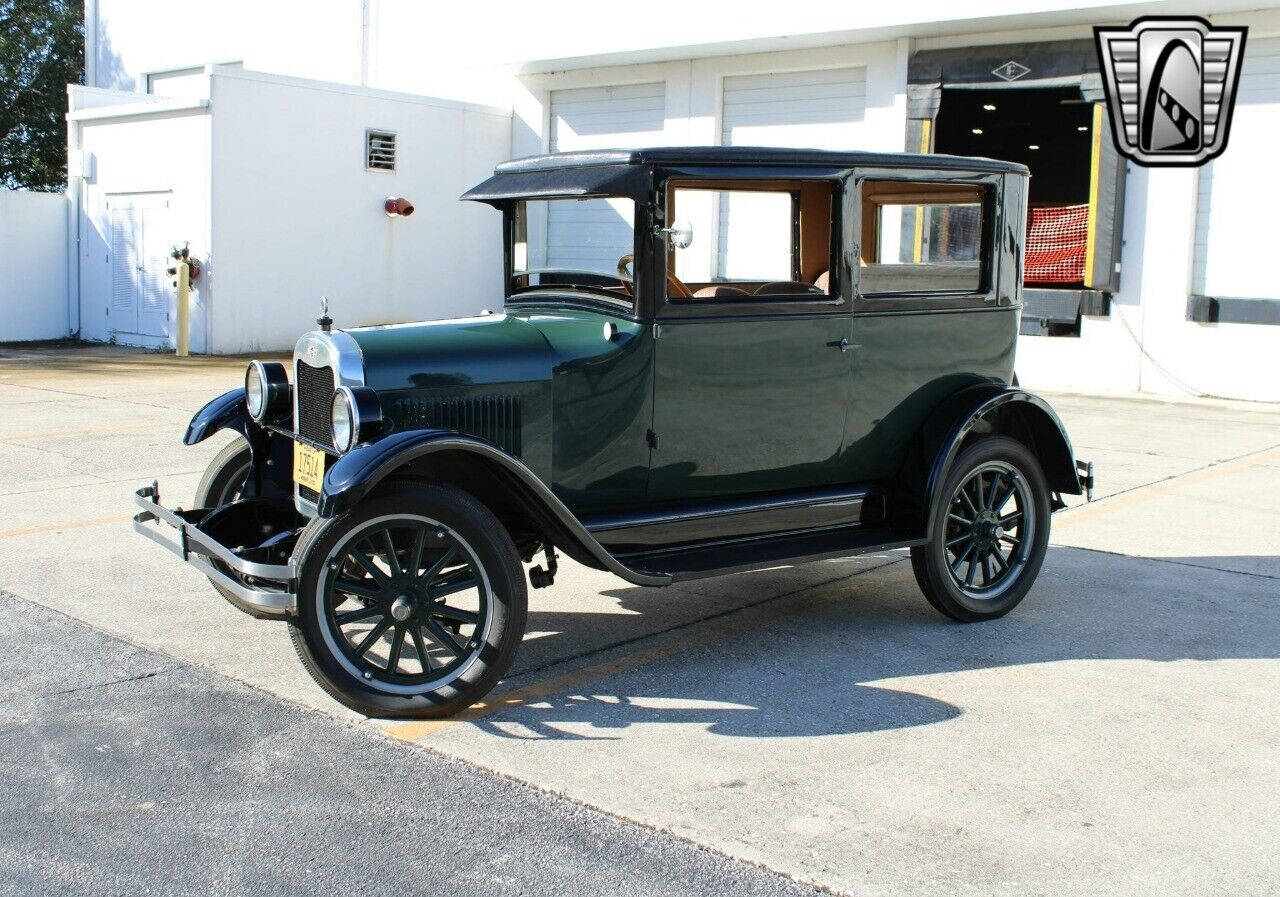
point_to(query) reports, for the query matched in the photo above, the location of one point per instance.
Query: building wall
(1147, 344)
(295, 214)
(141, 157)
(33, 289)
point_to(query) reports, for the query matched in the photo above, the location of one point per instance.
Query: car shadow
(819, 666)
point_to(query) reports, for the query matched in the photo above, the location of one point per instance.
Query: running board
(742, 555)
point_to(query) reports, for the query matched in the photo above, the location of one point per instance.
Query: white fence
(33, 266)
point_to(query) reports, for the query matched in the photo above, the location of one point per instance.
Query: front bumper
(263, 590)
(1085, 470)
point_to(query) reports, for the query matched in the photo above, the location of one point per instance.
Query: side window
(923, 238)
(767, 240)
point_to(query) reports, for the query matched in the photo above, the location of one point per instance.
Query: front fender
(356, 473)
(271, 455)
(227, 411)
(999, 409)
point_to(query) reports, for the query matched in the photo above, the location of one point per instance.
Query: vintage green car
(710, 360)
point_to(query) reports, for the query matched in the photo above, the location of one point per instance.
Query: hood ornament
(325, 322)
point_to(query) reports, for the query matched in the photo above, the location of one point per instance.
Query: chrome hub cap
(402, 608)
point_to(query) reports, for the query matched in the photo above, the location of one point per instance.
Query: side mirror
(679, 234)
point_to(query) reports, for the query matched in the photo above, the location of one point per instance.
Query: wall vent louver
(380, 150)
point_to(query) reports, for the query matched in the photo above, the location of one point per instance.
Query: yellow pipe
(1091, 226)
(926, 131)
(184, 306)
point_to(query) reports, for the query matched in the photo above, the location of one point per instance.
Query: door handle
(843, 345)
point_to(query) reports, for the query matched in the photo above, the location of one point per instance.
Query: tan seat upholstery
(719, 291)
(786, 288)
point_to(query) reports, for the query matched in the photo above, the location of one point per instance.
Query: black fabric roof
(623, 172)
(600, 179)
(751, 155)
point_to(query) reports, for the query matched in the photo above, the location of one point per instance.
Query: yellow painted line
(675, 643)
(66, 524)
(1095, 165)
(926, 131)
(1164, 487)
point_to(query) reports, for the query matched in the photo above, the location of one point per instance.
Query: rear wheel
(411, 605)
(990, 532)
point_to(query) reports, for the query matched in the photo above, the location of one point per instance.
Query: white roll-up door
(823, 109)
(1239, 197)
(593, 234)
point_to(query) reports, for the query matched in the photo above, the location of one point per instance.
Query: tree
(41, 51)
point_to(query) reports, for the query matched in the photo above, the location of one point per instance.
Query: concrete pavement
(1115, 734)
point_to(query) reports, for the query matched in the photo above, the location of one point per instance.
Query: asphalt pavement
(123, 771)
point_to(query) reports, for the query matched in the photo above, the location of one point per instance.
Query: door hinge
(651, 438)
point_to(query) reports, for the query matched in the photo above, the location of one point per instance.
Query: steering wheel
(673, 283)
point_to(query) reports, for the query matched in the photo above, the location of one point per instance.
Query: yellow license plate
(308, 466)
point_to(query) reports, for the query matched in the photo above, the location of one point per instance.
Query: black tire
(970, 540)
(224, 478)
(440, 538)
(222, 483)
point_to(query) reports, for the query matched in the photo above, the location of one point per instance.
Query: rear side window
(922, 238)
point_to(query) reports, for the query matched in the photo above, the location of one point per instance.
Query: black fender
(226, 412)
(997, 409)
(356, 473)
(272, 454)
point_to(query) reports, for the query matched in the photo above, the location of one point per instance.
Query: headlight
(266, 391)
(355, 415)
(342, 417)
(255, 391)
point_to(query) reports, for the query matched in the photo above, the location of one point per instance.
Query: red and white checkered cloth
(1056, 241)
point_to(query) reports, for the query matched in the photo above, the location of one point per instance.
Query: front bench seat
(787, 288)
(719, 291)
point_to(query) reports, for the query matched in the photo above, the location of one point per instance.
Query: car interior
(774, 239)
(760, 238)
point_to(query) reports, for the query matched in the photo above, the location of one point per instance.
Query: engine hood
(458, 354)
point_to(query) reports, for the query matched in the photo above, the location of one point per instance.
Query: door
(822, 109)
(749, 405)
(140, 286)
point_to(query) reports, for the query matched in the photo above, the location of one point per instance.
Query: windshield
(576, 244)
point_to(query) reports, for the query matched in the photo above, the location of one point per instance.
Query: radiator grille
(315, 397)
(495, 419)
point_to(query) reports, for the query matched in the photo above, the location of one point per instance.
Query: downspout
(76, 168)
(364, 42)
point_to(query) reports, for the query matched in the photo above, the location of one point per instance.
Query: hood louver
(495, 419)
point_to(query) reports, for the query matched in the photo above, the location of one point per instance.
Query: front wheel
(411, 605)
(990, 532)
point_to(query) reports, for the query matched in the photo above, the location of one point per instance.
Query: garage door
(1238, 196)
(820, 109)
(592, 235)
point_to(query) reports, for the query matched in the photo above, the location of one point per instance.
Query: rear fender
(997, 410)
(441, 454)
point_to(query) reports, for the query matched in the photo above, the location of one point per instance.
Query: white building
(265, 173)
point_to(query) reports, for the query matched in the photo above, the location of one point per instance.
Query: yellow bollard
(184, 305)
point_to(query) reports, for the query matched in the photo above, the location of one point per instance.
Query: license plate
(308, 466)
